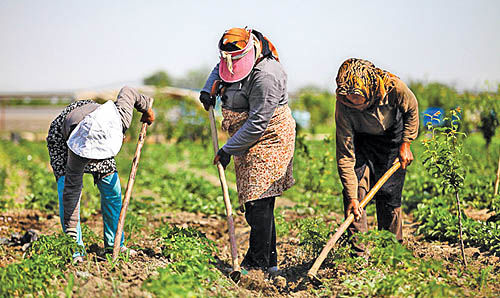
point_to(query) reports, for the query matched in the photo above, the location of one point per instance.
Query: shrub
(190, 271)
(46, 258)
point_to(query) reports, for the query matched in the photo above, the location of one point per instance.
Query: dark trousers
(388, 218)
(262, 249)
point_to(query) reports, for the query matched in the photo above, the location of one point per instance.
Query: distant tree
(158, 79)
(194, 79)
(435, 94)
(320, 105)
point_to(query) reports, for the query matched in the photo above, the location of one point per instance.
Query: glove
(222, 157)
(405, 155)
(207, 100)
(148, 116)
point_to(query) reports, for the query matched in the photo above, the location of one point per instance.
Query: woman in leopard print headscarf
(376, 119)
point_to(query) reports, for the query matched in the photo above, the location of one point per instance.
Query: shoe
(131, 252)
(78, 259)
(273, 271)
(124, 250)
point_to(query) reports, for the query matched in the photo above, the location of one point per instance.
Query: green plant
(89, 236)
(68, 289)
(45, 259)
(318, 186)
(445, 158)
(482, 277)
(133, 224)
(189, 271)
(392, 270)
(282, 225)
(313, 235)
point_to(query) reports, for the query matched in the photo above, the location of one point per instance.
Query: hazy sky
(67, 45)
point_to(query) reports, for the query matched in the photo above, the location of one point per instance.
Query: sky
(73, 45)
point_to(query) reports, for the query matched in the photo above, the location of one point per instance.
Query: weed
(133, 224)
(68, 289)
(89, 236)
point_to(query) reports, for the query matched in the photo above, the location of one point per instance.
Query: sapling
(445, 159)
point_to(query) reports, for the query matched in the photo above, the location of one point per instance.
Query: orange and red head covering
(239, 49)
(361, 77)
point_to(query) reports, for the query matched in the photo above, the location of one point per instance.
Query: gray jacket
(259, 94)
(128, 98)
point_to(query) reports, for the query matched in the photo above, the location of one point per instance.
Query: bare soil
(97, 277)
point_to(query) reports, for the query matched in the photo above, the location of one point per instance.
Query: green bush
(313, 235)
(391, 270)
(45, 260)
(190, 270)
(321, 106)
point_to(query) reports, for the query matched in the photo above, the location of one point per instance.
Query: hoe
(128, 190)
(236, 273)
(312, 273)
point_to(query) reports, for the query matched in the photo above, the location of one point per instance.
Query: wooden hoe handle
(128, 191)
(235, 275)
(348, 221)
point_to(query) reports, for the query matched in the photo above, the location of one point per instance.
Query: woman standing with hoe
(376, 120)
(259, 121)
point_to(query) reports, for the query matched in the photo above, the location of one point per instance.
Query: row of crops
(174, 176)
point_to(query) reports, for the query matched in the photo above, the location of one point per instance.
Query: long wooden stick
(498, 178)
(128, 191)
(235, 274)
(459, 214)
(348, 221)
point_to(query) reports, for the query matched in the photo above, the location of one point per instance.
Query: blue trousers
(111, 204)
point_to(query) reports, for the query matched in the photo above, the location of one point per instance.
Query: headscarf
(361, 77)
(236, 39)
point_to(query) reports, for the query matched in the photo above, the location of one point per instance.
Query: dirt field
(94, 276)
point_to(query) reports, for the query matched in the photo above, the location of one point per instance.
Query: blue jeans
(111, 204)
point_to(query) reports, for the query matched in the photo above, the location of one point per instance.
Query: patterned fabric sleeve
(58, 150)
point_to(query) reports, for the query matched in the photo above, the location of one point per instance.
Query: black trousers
(262, 249)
